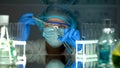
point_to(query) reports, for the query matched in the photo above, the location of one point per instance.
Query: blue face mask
(51, 36)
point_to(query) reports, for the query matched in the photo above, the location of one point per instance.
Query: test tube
(37, 19)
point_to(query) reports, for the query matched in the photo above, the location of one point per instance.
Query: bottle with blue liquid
(105, 47)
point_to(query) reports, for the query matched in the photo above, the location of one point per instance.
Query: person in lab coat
(58, 26)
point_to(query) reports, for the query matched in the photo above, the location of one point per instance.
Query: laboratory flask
(105, 47)
(8, 55)
(116, 55)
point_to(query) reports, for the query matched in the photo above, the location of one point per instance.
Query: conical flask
(116, 55)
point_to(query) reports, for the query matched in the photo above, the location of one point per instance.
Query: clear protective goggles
(51, 24)
(55, 25)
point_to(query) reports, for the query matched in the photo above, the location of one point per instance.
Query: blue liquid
(104, 56)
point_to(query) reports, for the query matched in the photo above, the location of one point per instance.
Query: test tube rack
(87, 55)
(21, 58)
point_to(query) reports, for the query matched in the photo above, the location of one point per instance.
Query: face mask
(51, 36)
(55, 64)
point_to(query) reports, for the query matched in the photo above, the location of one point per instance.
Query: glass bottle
(8, 55)
(105, 47)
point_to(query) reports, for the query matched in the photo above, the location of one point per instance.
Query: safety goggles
(55, 24)
(51, 24)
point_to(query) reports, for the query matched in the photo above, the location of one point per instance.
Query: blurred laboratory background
(86, 11)
(90, 14)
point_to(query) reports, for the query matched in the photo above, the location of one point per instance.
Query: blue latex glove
(70, 36)
(27, 20)
(21, 66)
(74, 65)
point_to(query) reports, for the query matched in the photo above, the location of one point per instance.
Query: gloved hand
(20, 66)
(73, 65)
(70, 36)
(27, 20)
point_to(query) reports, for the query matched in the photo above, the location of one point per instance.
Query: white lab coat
(35, 51)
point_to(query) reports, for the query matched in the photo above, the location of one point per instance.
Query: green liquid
(116, 61)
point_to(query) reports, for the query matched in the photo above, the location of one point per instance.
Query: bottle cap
(4, 19)
(109, 30)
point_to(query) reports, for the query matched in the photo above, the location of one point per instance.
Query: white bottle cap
(4, 19)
